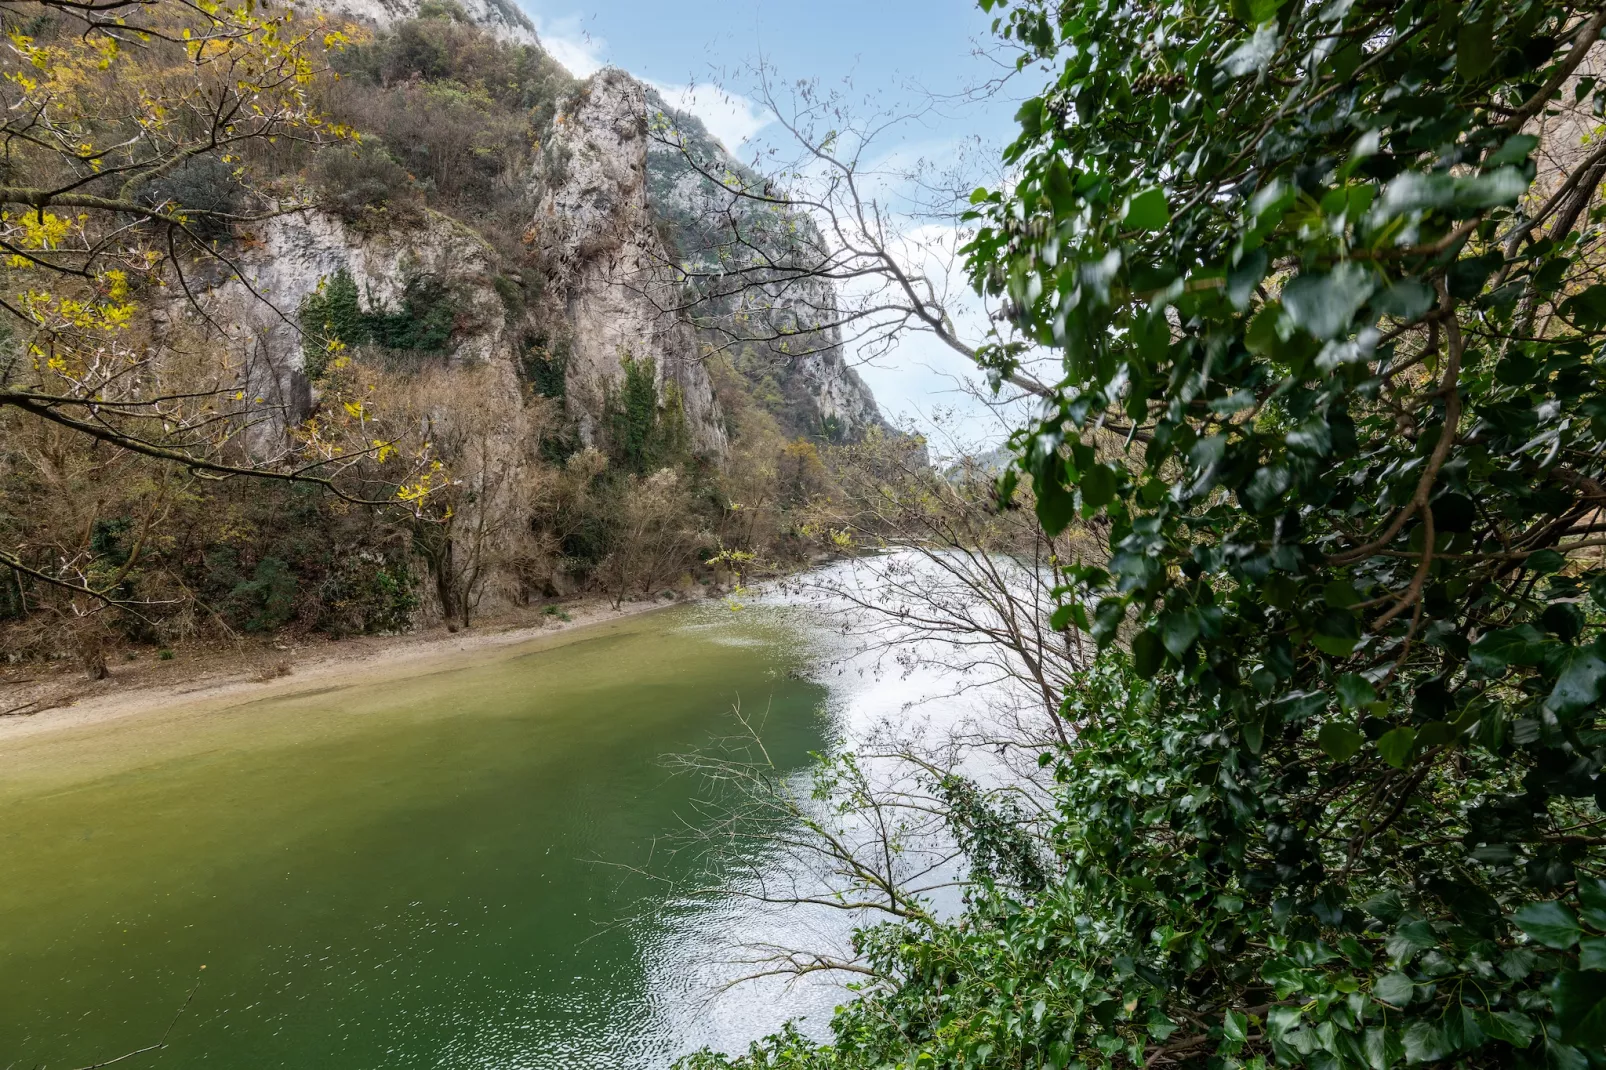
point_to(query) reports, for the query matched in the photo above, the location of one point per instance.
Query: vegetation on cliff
(406, 481)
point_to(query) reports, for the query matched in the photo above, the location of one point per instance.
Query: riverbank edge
(272, 669)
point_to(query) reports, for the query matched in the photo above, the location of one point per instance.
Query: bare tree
(134, 133)
(838, 243)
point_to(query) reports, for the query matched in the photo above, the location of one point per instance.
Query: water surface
(467, 868)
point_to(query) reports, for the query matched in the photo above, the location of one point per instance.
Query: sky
(882, 53)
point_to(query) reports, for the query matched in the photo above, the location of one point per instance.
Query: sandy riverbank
(56, 702)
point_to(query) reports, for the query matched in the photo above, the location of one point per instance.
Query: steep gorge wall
(716, 230)
(596, 229)
(590, 228)
(292, 255)
(600, 204)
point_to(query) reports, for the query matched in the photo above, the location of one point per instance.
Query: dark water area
(468, 868)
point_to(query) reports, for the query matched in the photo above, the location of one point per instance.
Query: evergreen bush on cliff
(1325, 281)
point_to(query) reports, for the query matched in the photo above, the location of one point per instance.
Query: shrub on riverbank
(1335, 797)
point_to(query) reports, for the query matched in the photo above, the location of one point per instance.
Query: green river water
(416, 870)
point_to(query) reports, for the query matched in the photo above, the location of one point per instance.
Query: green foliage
(423, 324)
(266, 601)
(203, 189)
(634, 412)
(330, 314)
(457, 110)
(364, 185)
(367, 594)
(647, 432)
(1330, 388)
(546, 365)
(333, 316)
(511, 290)
(13, 597)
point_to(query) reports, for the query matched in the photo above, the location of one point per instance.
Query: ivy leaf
(1385, 906)
(1107, 620)
(1395, 746)
(1592, 953)
(1339, 740)
(1030, 117)
(1242, 279)
(1407, 299)
(1148, 654)
(1579, 686)
(1587, 309)
(1496, 650)
(1324, 304)
(1592, 895)
(1148, 210)
(1179, 629)
(1409, 938)
(1395, 989)
(1337, 633)
(1513, 1027)
(1355, 692)
(1235, 1026)
(1098, 488)
(1467, 277)
(1425, 1042)
(1474, 48)
(1550, 923)
(1580, 1002)
(1515, 150)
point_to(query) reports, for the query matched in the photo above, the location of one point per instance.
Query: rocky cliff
(292, 256)
(501, 17)
(746, 259)
(612, 216)
(595, 228)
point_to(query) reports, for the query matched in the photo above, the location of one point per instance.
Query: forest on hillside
(414, 481)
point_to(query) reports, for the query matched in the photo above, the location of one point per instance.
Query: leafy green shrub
(446, 48)
(647, 431)
(423, 324)
(546, 365)
(13, 600)
(364, 185)
(334, 314)
(456, 108)
(266, 601)
(1331, 388)
(203, 189)
(365, 594)
(330, 314)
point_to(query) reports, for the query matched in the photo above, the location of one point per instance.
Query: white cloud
(730, 117)
(567, 41)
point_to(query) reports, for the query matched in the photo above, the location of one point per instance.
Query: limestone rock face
(603, 199)
(716, 230)
(292, 254)
(501, 17)
(596, 226)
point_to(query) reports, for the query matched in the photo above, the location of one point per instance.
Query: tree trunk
(441, 565)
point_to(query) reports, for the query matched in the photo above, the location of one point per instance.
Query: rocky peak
(595, 226)
(501, 17)
(716, 231)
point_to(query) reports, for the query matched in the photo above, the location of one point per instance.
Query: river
(468, 868)
(484, 862)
